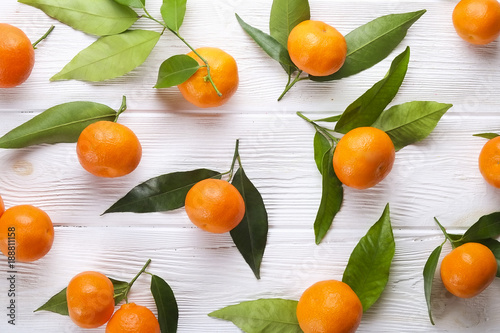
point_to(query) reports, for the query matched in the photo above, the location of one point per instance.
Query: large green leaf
(132, 3)
(429, 271)
(488, 226)
(61, 123)
(58, 303)
(166, 304)
(367, 108)
(162, 193)
(270, 45)
(173, 12)
(110, 56)
(321, 146)
(285, 15)
(175, 70)
(367, 271)
(250, 236)
(96, 17)
(273, 315)
(410, 122)
(331, 198)
(373, 42)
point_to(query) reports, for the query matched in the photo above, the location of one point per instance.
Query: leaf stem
(123, 107)
(444, 231)
(322, 129)
(236, 156)
(151, 17)
(143, 269)
(43, 37)
(290, 85)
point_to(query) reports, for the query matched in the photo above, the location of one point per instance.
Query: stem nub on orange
(224, 72)
(132, 318)
(90, 297)
(363, 157)
(468, 270)
(108, 149)
(329, 306)
(215, 205)
(17, 56)
(489, 162)
(26, 232)
(317, 48)
(477, 21)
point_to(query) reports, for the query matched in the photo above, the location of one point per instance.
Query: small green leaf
(373, 42)
(410, 122)
(120, 288)
(61, 123)
(270, 45)
(175, 70)
(173, 12)
(486, 135)
(272, 315)
(285, 15)
(97, 17)
(250, 236)
(488, 226)
(321, 146)
(110, 56)
(367, 108)
(168, 312)
(162, 193)
(132, 3)
(367, 271)
(331, 119)
(56, 304)
(429, 271)
(331, 198)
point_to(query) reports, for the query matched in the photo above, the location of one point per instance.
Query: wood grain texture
(436, 177)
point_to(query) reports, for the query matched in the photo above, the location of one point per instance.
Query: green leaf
(367, 271)
(410, 122)
(250, 236)
(331, 119)
(56, 304)
(110, 56)
(97, 17)
(272, 315)
(367, 108)
(486, 135)
(270, 45)
(168, 312)
(373, 42)
(121, 288)
(331, 198)
(132, 3)
(494, 246)
(162, 193)
(429, 271)
(173, 12)
(61, 123)
(285, 15)
(488, 226)
(175, 70)
(321, 146)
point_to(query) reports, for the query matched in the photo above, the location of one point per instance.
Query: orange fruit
(132, 318)
(2, 206)
(477, 21)
(199, 91)
(317, 48)
(468, 270)
(363, 157)
(489, 162)
(26, 232)
(90, 299)
(17, 56)
(215, 205)
(108, 149)
(329, 306)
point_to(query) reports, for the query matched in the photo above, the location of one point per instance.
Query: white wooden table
(436, 177)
